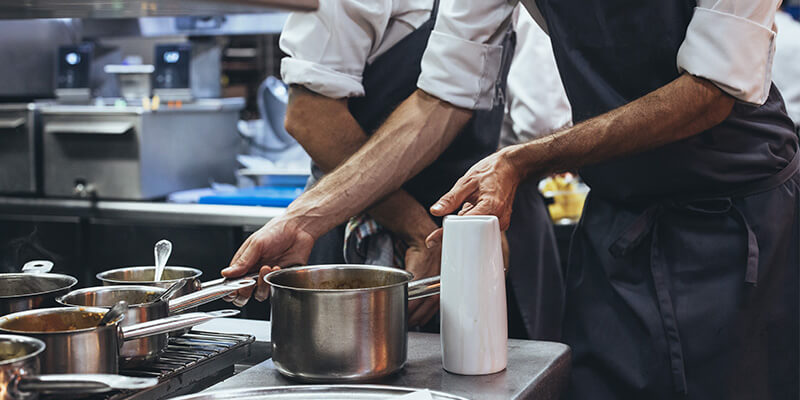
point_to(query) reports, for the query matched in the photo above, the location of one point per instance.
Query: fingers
(434, 239)
(243, 296)
(262, 292)
(465, 208)
(453, 199)
(423, 311)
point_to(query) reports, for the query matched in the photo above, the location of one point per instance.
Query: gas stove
(191, 363)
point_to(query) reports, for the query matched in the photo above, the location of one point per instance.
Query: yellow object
(568, 198)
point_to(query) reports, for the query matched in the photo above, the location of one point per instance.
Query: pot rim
(158, 290)
(101, 276)
(268, 278)
(56, 310)
(40, 347)
(73, 281)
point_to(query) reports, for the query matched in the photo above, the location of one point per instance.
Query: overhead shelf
(27, 9)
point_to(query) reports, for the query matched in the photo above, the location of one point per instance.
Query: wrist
(524, 161)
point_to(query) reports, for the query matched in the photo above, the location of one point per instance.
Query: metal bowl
(143, 275)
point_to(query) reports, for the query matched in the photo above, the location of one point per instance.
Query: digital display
(72, 58)
(171, 57)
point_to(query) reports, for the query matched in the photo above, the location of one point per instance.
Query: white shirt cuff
(320, 79)
(459, 71)
(733, 52)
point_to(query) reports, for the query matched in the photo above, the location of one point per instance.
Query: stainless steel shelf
(141, 212)
(28, 9)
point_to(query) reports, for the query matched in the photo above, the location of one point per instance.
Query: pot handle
(220, 281)
(82, 383)
(207, 295)
(37, 267)
(424, 287)
(169, 324)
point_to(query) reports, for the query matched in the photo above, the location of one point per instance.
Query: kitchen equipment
(326, 392)
(19, 368)
(80, 74)
(473, 299)
(20, 148)
(75, 344)
(188, 70)
(171, 291)
(342, 323)
(145, 304)
(34, 287)
(134, 153)
(134, 80)
(162, 251)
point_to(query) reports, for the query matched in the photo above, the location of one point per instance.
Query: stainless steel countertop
(141, 212)
(536, 370)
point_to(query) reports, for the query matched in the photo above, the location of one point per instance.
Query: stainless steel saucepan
(144, 275)
(342, 323)
(33, 288)
(20, 379)
(77, 345)
(145, 304)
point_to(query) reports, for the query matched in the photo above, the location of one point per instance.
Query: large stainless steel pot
(75, 344)
(342, 323)
(33, 288)
(145, 304)
(20, 379)
(317, 392)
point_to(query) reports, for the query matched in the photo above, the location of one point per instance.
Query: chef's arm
(683, 108)
(412, 137)
(328, 132)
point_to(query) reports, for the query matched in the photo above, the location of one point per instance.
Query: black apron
(683, 272)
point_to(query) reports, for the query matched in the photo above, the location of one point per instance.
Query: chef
(535, 282)
(349, 64)
(683, 272)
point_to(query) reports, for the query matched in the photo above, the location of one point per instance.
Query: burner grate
(190, 363)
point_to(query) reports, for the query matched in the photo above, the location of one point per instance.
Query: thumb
(243, 263)
(434, 239)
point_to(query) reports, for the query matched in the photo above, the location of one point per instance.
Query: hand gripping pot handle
(424, 288)
(169, 324)
(37, 267)
(207, 295)
(82, 383)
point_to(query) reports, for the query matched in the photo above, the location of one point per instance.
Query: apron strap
(630, 239)
(646, 223)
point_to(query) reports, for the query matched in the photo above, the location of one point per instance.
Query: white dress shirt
(786, 67)
(536, 103)
(729, 42)
(328, 48)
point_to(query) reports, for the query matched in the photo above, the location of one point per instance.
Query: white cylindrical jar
(474, 326)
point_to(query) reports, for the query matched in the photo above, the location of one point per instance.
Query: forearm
(331, 135)
(682, 108)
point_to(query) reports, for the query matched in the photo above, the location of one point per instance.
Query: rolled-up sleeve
(732, 44)
(464, 53)
(327, 49)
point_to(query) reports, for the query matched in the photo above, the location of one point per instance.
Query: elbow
(719, 108)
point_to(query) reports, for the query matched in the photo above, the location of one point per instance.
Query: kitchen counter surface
(536, 370)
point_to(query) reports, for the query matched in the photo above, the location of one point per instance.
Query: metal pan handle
(207, 295)
(81, 383)
(220, 281)
(424, 287)
(37, 267)
(169, 324)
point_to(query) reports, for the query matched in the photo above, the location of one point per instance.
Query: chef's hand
(488, 188)
(423, 263)
(278, 243)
